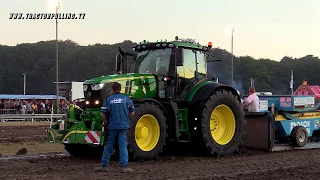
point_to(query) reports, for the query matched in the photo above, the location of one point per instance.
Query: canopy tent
(316, 90)
(306, 90)
(13, 96)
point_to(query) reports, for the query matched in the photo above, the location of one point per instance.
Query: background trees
(78, 63)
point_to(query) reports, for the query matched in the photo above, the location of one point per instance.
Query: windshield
(154, 61)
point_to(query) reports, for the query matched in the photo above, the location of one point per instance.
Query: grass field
(26, 123)
(8, 149)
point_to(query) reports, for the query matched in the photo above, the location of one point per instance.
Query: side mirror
(172, 65)
(179, 57)
(212, 58)
(118, 61)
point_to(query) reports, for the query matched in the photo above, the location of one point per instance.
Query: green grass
(26, 123)
(8, 149)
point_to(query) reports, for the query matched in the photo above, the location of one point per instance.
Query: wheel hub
(147, 132)
(301, 137)
(213, 124)
(142, 132)
(222, 124)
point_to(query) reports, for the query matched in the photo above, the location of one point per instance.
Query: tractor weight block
(259, 131)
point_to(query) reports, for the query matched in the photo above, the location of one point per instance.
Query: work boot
(127, 170)
(100, 169)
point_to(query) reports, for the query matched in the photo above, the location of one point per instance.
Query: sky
(264, 28)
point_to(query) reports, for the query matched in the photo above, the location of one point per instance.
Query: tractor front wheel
(222, 123)
(147, 133)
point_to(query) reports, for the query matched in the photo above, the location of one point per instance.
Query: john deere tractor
(174, 102)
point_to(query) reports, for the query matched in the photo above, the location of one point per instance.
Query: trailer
(291, 122)
(71, 90)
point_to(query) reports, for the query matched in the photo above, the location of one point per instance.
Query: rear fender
(208, 89)
(204, 93)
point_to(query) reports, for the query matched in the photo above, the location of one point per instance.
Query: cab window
(202, 65)
(186, 73)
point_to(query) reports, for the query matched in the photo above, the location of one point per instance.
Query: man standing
(252, 101)
(118, 107)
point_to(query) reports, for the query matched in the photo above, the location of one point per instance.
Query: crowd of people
(31, 106)
(39, 106)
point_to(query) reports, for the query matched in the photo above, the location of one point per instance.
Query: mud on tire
(142, 109)
(222, 97)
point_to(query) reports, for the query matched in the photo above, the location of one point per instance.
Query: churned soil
(18, 134)
(287, 165)
(249, 164)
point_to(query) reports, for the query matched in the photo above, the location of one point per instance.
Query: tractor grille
(92, 96)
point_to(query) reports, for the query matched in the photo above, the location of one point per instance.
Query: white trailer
(76, 90)
(71, 90)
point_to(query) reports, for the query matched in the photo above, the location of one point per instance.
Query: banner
(291, 81)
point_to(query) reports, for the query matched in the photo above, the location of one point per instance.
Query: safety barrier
(15, 111)
(23, 117)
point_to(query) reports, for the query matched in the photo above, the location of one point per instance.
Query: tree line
(79, 63)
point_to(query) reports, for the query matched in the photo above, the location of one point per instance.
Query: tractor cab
(177, 65)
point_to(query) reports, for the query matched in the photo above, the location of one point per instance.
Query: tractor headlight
(97, 87)
(85, 87)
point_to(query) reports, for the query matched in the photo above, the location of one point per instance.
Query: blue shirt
(118, 107)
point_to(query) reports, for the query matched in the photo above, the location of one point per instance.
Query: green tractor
(174, 101)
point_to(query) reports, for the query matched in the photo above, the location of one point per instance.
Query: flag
(291, 81)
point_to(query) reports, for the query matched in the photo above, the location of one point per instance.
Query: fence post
(51, 116)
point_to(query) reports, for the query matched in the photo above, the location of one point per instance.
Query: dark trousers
(121, 135)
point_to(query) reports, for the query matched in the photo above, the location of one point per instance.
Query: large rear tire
(222, 123)
(147, 133)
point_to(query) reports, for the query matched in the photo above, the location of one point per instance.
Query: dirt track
(280, 165)
(16, 134)
(250, 165)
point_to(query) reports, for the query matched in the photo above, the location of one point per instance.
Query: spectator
(252, 102)
(1, 107)
(1, 104)
(24, 108)
(118, 107)
(30, 106)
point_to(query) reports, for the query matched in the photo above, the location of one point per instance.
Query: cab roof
(184, 43)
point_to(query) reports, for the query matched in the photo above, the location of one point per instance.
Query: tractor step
(184, 135)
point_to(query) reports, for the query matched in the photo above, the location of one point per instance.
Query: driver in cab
(252, 102)
(161, 64)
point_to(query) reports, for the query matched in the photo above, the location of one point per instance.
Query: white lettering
(305, 124)
(263, 105)
(117, 101)
(303, 101)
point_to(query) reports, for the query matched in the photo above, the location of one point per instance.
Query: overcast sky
(264, 28)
